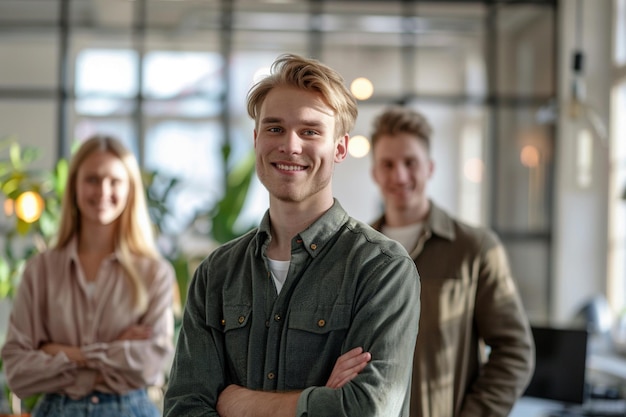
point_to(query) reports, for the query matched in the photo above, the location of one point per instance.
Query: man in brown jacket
(475, 353)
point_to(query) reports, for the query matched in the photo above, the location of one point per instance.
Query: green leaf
(28, 403)
(22, 227)
(5, 278)
(15, 155)
(30, 154)
(61, 174)
(48, 223)
(229, 207)
(11, 187)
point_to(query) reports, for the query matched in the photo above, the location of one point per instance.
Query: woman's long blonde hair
(134, 233)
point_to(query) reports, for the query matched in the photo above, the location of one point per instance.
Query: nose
(399, 173)
(104, 188)
(291, 143)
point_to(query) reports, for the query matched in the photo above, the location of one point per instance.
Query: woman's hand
(136, 332)
(72, 352)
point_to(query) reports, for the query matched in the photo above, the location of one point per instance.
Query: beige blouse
(54, 304)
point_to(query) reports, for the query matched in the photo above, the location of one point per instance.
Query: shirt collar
(314, 237)
(71, 249)
(438, 222)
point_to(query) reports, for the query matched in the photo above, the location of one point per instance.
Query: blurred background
(527, 100)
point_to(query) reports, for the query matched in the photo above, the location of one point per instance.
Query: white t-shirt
(406, 235)
(279, 271)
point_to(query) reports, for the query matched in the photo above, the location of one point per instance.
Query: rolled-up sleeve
(385, 324)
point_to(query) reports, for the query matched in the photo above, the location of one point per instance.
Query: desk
(603, 368)
(534, 407)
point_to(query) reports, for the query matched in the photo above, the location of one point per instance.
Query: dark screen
(561, 356)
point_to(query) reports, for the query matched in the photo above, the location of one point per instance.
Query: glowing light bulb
(29, 206)
(358, 146)
(362, 88)
(473, 170)
(529, 156)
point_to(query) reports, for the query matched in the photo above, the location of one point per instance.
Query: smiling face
(102, 188)
(402, 167)
(295, 146)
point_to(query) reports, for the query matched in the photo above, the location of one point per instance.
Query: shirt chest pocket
(314, 341)
(236, 327)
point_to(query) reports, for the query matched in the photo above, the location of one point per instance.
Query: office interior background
(524, 141)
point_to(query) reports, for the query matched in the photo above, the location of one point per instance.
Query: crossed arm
(75, 354)
(236, 401)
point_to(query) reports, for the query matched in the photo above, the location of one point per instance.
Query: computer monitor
(561, 356)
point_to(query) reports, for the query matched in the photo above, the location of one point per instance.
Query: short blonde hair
(307, 74)
(134, 233)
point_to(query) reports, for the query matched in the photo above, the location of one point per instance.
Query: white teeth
(289, 167)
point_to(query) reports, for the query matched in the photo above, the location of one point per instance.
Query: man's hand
(236, 401)
(348, 365)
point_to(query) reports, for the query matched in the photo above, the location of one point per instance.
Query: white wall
(580, 223)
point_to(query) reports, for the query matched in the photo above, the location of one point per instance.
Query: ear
(341, 148)
(254, 135)
(431, 168)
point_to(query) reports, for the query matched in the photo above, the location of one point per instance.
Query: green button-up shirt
(347, 286)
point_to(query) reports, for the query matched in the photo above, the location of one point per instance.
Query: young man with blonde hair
(313, 313)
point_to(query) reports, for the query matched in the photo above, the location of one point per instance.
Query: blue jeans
(97, 404)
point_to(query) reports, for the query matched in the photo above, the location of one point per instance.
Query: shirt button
(95, 399)
(241, 319)
(267, 323)
(313, 246)
(321, 322)
(223, 322)
(277, 317)
(271, 375)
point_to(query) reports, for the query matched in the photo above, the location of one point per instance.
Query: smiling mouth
(284, 167)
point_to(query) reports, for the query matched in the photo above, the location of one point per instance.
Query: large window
(170, 78)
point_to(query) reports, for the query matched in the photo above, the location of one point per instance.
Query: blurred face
(102, 188)
(295, 145)
(402, 168)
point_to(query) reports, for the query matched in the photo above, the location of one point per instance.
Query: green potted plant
(28, 228)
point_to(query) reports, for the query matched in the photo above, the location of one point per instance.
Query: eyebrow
(270, 120)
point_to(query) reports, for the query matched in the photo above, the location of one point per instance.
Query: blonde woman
(92, 324)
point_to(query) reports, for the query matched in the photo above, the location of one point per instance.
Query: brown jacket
(475, 353)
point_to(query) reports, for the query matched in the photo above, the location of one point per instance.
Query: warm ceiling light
(362, 88)
(529, 156)
(29, 206)
(473, 170)
(358, 146)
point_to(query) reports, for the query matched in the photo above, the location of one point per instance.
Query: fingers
(73, 353)
(136, 332)
(348, 366)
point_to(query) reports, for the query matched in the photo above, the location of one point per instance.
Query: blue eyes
(303, 133)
